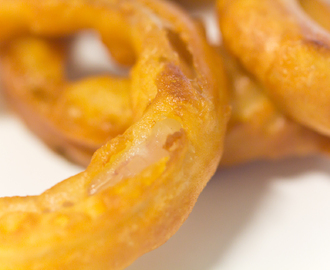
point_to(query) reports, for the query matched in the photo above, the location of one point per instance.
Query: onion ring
(257, 130)
(141, 186)
(286, 51)
(75, 118)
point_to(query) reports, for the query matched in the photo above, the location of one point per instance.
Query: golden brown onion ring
(257, 130)
(73, 118)
(140, 186)
(288, 53)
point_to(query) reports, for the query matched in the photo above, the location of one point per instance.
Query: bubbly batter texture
(287, 50)
(140, 186)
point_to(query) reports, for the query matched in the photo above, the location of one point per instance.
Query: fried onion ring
(286, 51)
(257, 130)
(140, 186)
(75, 118)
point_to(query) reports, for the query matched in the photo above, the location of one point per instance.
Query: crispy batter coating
(74, 118)
(140, 186)
(287, 51)
(257, 129)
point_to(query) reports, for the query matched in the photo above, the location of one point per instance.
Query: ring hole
(88, 56)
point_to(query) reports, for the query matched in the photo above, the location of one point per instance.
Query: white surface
(258, 216)
(262, 216)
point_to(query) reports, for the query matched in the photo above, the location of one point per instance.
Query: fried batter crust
(287, 51)
(142, 185)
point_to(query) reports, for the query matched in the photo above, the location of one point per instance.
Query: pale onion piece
(140, 156)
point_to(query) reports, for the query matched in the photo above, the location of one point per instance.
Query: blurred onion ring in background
(74, 118)
(286, 49)
(257, 129)
(140, 186)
